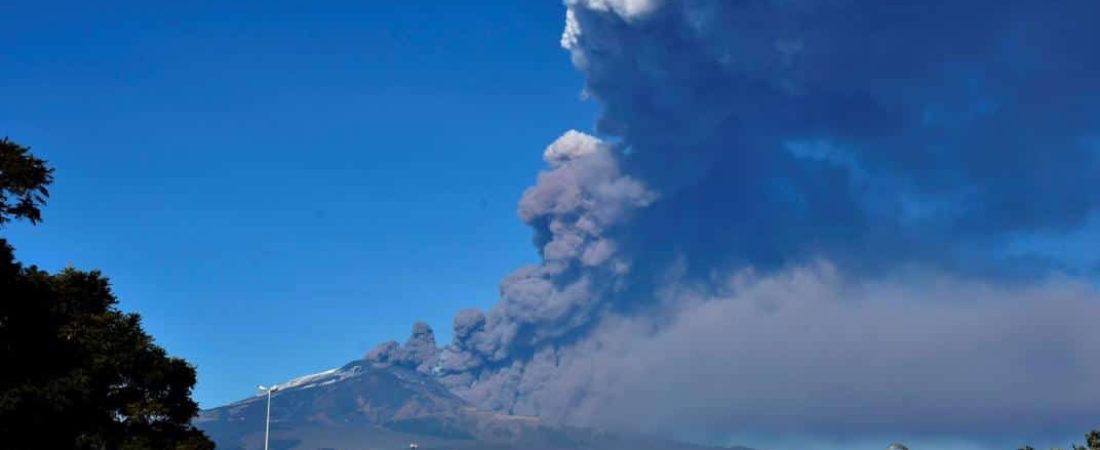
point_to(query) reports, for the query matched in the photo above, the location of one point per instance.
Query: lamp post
(267, 423)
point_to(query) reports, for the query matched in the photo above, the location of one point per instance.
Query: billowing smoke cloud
(419, 351)
(801, 218)
(805, 352)
(575, 209)
(867, 131)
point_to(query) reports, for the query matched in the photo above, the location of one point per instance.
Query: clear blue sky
(278, 186)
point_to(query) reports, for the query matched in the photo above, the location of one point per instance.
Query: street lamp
(267, 423)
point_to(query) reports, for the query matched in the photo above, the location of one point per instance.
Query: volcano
(364, 405)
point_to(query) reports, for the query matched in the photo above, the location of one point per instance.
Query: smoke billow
(804, 351)
(801, 218)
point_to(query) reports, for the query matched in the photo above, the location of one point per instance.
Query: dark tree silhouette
(78, 373)
(1092, 442)
(23, 183)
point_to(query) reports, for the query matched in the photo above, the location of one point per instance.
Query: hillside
(366, 406)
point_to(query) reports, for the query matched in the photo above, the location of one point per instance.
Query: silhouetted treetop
(24, 180)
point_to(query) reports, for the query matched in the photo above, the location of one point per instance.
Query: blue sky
(278, 186)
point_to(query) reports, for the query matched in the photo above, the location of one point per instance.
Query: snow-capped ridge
(324, 378)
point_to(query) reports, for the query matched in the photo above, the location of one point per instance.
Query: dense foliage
(78, 373)
(23, 183)
(1092, 441)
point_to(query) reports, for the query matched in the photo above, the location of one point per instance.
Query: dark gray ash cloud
(800, 217)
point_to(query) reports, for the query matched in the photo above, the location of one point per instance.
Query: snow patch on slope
(324, 378)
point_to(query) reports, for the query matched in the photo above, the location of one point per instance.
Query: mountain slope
(367, 406)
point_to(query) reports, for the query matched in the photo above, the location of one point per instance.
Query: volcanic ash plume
(575, 209)
(810, 216)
